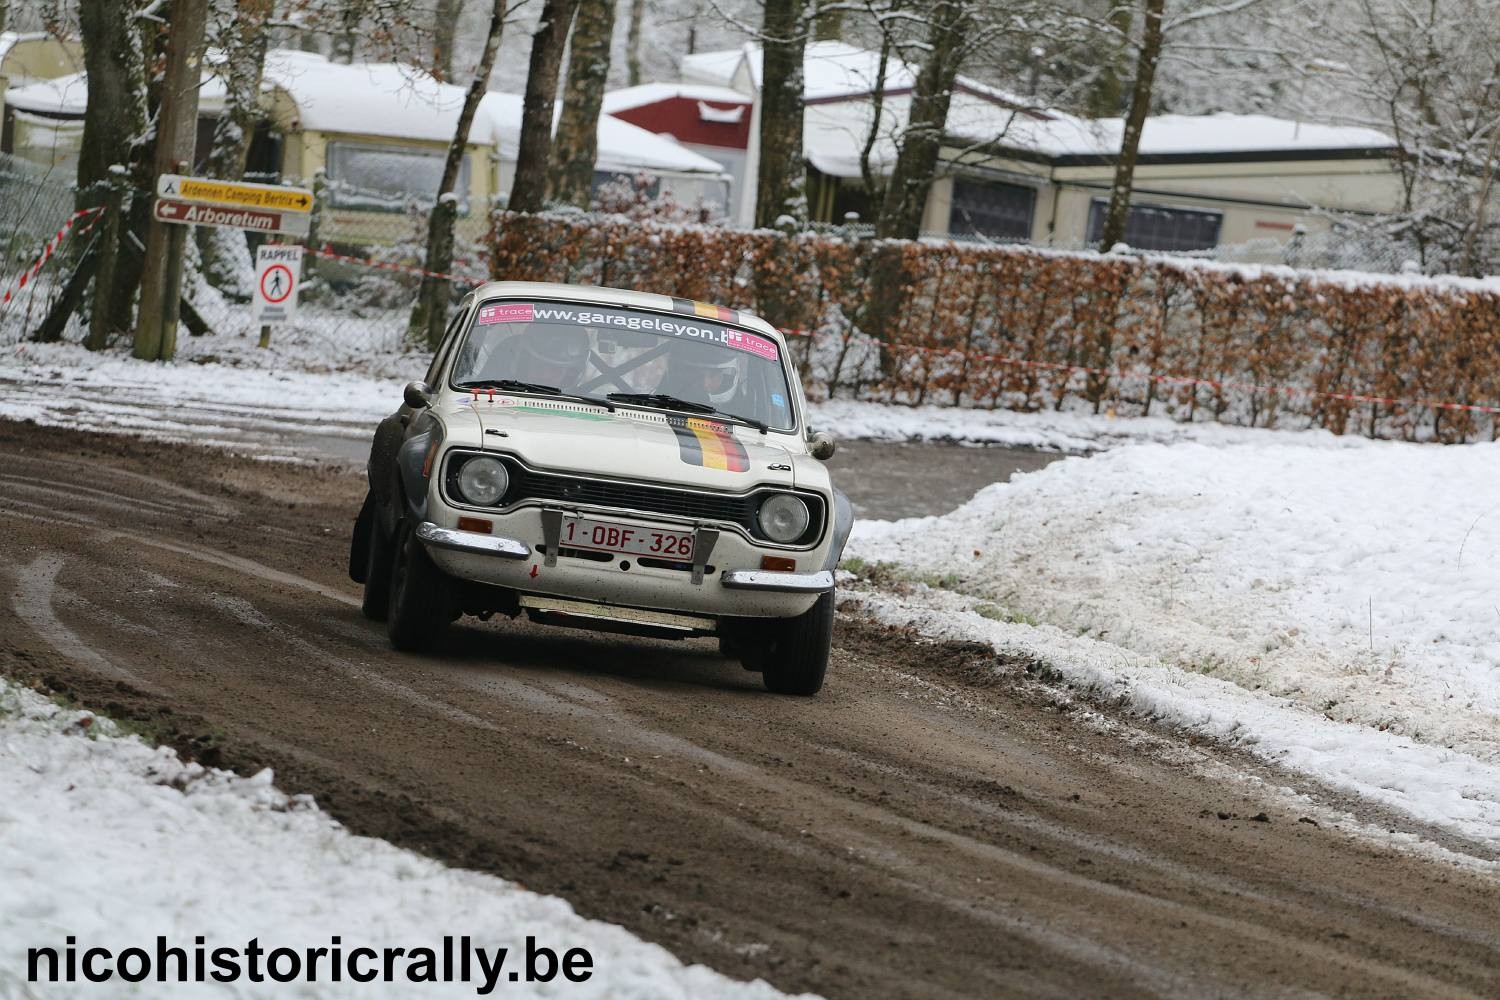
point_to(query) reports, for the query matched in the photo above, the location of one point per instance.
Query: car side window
(445, 346)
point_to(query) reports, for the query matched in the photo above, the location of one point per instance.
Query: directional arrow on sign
(231, 217)
(239, 194)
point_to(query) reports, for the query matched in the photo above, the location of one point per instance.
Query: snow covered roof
(651, 93)
(65, 95)
(834, 133)
(714, 68)
(385, 99)
(622, 147)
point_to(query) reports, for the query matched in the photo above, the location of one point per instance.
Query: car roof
(624, 297)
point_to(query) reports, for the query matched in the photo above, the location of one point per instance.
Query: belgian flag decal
(709, 444)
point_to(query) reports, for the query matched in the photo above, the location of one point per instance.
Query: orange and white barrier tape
(1287, 390)
(29, 275)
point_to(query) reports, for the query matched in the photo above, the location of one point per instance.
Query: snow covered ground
(109, 840)
(1334, 608)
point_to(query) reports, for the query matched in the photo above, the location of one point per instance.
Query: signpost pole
(171, 305)
(177, 124)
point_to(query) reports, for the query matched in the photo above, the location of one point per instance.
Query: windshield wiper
(516, 385)
(667, 402)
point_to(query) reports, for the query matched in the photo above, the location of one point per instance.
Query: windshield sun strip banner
(622, 319)
(709, 444)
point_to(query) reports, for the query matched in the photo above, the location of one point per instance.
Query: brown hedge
(1000, 326)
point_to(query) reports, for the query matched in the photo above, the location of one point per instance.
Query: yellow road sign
(235, 193)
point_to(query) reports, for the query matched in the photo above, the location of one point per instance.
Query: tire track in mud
(904, 835)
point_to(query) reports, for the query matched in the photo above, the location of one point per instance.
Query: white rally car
(612, 460)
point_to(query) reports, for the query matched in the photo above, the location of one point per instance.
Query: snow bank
(1358, 583)
(110, 840)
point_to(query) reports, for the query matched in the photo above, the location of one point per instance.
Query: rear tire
(377, 599)
(421, 601)
(796, 660)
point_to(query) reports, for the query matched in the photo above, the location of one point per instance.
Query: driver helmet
(703, 373)
(552, 355)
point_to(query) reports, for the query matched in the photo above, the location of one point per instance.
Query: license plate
(606, 536)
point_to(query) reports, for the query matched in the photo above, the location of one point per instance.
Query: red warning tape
(328, 254)
(29, 275)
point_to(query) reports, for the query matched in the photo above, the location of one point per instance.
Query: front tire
(796, 660)
(421, 602)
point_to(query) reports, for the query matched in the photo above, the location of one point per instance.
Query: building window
(991, 208)
(1152, 227)
(387, 178)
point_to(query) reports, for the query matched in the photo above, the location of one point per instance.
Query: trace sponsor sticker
(507, 312)
(761, 347)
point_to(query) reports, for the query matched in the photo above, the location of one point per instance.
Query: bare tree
(529, 190)
(428, 314)
(114, 133)
(953, 30)
(444, 35)
(577, 143)
(781, 179)
(1428, 75)
(633, 42)
(1147, 57)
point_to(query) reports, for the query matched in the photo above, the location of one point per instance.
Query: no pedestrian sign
(278, 272)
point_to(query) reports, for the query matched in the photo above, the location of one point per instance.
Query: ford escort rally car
(607, 459)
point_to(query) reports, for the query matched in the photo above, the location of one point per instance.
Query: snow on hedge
(115, 842)
(1357, 587)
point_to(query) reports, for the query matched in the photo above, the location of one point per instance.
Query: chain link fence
(34, 204)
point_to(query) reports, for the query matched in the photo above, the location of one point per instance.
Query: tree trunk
(633, 42)
(114, 127)
(877, 110)
(177, 132)
(244, 47)
(244, 66)
(916, 162)
(1108, 90)
(4, 13)
(577, 143)
(429, 312)
(781, 177)
(534, 156)
(444, 34)
(1135, 123)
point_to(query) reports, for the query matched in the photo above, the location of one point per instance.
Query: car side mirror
(821, 445)
(417, 395)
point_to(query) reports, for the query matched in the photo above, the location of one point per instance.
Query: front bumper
(732, 588)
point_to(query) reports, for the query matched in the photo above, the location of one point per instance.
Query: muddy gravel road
(924, 828)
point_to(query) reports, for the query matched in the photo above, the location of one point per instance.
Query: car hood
(631, 444)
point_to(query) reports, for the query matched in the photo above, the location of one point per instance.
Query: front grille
(528, 485)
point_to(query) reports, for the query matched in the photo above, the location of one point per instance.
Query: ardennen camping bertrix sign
(262, 208)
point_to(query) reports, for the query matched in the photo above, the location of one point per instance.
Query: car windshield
(600, 351)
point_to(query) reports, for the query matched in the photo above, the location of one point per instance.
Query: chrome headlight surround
(481, 480)
(783, 518)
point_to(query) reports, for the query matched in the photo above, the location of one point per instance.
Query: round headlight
(483, 481)
(783, 518)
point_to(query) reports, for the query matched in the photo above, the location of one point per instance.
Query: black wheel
(420, 594)
(377, 600)
(796, 660)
